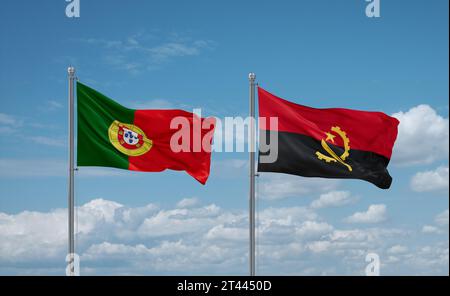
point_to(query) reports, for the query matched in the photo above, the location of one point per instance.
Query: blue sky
(179, 54)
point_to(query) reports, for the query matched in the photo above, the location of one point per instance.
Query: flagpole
(71, 207)
(252, 199)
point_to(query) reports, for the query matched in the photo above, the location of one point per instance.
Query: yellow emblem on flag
(333, 157)
(129, 139)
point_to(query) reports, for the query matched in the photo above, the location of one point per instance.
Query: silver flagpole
(251, 78)
(71, 72)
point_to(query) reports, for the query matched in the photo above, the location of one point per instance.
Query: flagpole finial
(251, 76)
(71, 70)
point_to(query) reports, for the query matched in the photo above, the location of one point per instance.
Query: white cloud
(353, 235)
(6, 119)
(431, 229)
(374, 214)
(430, 257)
(423, 136)
(285, 215)
(436, 180)
(7, 130)
(397, 249)
(313, 229)
(119, 235)
(179, 221)
(141, 52)
(12, 167)
(51, 105)
(45, 126)
(188, 202)
(227, 233)
(333, 199)
(43, 236)
(55, 104)
(280, 186)
(442, 218)
(101, 209)
(12, 124)
(441, 221)
(163, 52)
(319, 246)
(9, 124)
(115, 239)
(48, 141)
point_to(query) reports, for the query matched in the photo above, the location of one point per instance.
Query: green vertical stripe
(96, 112)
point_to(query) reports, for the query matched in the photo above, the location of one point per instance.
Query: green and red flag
(110, 135)
(329, 143)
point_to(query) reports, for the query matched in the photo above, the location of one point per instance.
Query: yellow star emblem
(330, 137)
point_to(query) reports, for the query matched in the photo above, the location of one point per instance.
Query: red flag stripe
(156, 125)
(368, 131)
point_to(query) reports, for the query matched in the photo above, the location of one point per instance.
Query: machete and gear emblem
(332, 156)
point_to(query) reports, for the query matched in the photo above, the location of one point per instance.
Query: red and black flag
(329, 143)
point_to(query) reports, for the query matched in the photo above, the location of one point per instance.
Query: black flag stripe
(297, 156)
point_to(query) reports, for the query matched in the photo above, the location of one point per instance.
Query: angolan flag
(329, 143)
(111, 135)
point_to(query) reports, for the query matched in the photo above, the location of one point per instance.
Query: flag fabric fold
(329, 143)
(111, 135)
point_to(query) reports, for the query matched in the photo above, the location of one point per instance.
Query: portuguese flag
(111, 135)
(329, 143)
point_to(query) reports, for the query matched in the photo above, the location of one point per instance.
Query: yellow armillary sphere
(129, 139)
